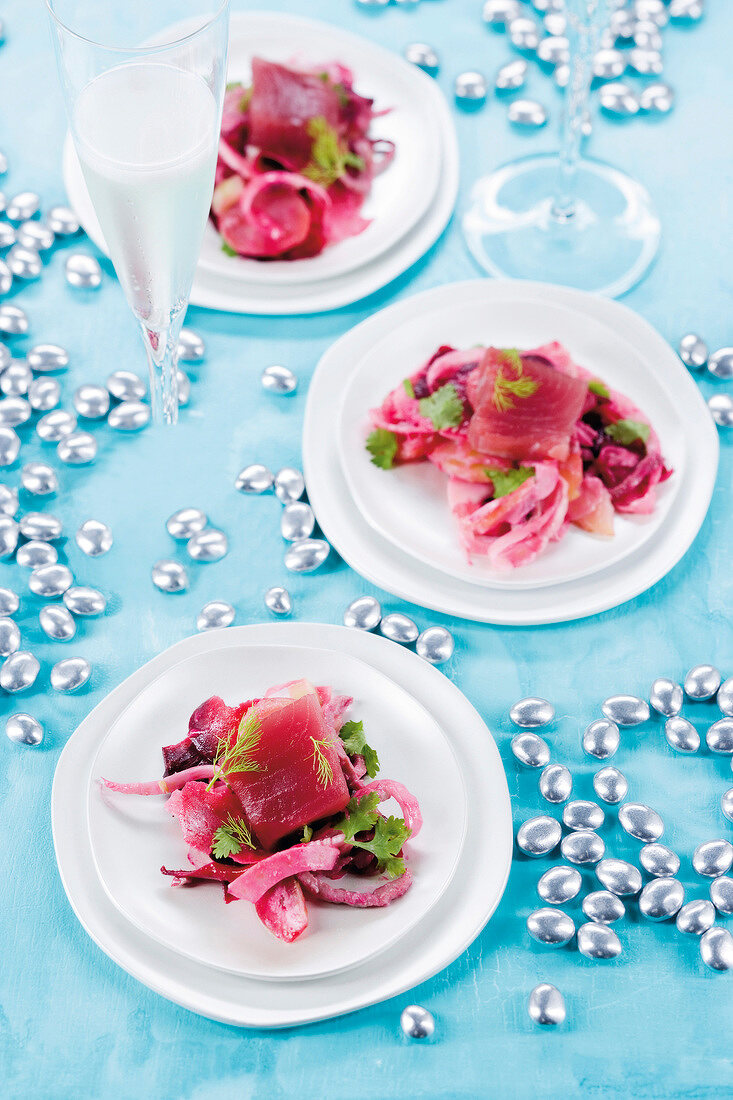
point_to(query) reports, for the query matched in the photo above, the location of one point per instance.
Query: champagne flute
(145, 122)
(562, 218)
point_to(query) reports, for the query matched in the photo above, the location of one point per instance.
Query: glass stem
(161, 346)
(586, 21)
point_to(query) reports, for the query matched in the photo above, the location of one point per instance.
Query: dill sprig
(231, 837)
(506, 387)
(237, 756)
(321, 763)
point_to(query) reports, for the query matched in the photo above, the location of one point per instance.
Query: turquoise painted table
(655, 1023)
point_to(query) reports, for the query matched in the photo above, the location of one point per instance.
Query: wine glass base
(605, 246)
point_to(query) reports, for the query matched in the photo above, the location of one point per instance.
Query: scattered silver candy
(647, 37)
(556, 783)
(25, 263)
(44, 394)
(82, 271)
(215, 615)
(619, 877)
(39, 478)
(645, 62)
(19, 672)
(721, 409)
(62, 221)
(57, 623)
(626, 710)
(363, 613)
(6, 356)
(77, 449)
(659, 860)
(9, 531)
(609, 64)
(191, 347)
(41, 526)
(531, 713)
(580, 814)
(398, 628)
(655, 11)
(583, 846)
(277, 379)
(169, 576)
(713, 858)
(124, 385)
(546, 1005)
(601, 738)
(498, 13)
(70, 674)
(417, 1022)
(184, 387)
(85, 601)
(726, 804)
(55, 425)
(555, 22)
(598, 941)
(720, 363)
(307, 555)
(559, 885)
(254, 479)
(693, 351)
(551, 927)
(724, 697)
(721, 895)
(91, 401)
(9, 446)
(94, 538)
(702, 682)
(24, 729)
(297, 521)
(8, 501)
(186, 522)
(554, 50)
(681, 734)
(695, 917)
(278, 601)
(130, 416)
(470, 87)
(716, 949)
(657, 98)
(719, 737)
(50, 580)
(9, 602)
(6, 276)
(35, 235)
(687, 10)
(538, 836)
(603, 907)
(640, 821)
(33, 554)
(13, 320)
(523, 33)
(618, 99)
(8, 237)
(511, 76)
(531, 750)
(208, 545)
(22, 206)
(435, 645)
(15, 380)
(9, 637)
(289, 485)
(527, 112)
(666, 697)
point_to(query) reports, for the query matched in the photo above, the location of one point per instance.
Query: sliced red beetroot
(209, 723)
(282, 910)
(282, 103)
(200, 812)
(320, 887)
(207, 872)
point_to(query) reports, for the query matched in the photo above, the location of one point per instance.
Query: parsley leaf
(231, 837)
(627, 431)
(330, 156)
(228, 250)
(506, 481)
(390, 833)
(443, 408)
(352, 735)
(382, 446)
(409, 388)
(600, 389)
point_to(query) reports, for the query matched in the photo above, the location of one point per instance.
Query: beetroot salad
(296, 162)
(277, 799)
(530, 442)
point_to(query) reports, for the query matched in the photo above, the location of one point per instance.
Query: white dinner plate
(133, 837)
(389, 567)
(316, 286)
(408, 505)
(444, 933)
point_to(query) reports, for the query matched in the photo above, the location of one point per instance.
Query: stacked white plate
(410, 203)
(217, 959)
(395, 527)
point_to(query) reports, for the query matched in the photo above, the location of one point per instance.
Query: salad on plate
(277, 799)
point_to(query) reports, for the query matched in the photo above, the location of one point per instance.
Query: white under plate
(133, 836)
(408, 505)
(381, 562)
(445, 931)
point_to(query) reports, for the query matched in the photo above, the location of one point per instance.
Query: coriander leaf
(330, 156)
(443, 408)
(506, 481)
(361, 815)
(352, 735)
(382, 446)
(390, 833)
(231, 837)
(228, 250)
(409, 388)
(600, 389)
(627, 431)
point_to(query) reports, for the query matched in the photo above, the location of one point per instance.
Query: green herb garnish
(390, 833)
(506, 481)
(600, 389)
(409, 388)
(382, 446)
(231, 837)
(627, 431)
(443, 408)
(321, 763)
(352, 735)
(505, 387)
(236, 756)
(307, 834)
(330, 156)
(228, 250)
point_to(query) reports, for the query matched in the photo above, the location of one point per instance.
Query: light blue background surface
(655, 1023)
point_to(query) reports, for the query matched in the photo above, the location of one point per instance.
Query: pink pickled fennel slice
(282, 910)
(162, 786)
(320, 887)
(317, 855)
(391, 788)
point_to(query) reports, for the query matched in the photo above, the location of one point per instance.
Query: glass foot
(605, 245)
